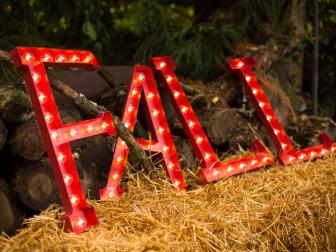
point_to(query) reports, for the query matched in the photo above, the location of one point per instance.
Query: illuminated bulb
(163, 65)
(42, 98)
(291, 158)
(87, 59)
(229, 169)
(111, 194)
(48, 117)
(177, 183)
(61, 157)
(53, 135)
(161, 130)
(269, 118)
(74, 58)
(323, 151)
(240, 64)
(253, 162)
(127, 124)
(184, 109)
(312, 154)
(241, 166)
(177, 94)
(165, 149)
(60, 58)
(36, 77)
(248, 78)
(283, 146)
(130, 109)
(207, 156)
(119, 159)
(333, 148)
(155, 113)
(199, 139)
(141, 77)
(302, 156)
(261, 104)
(191, 124)
(276, 132)
(68, 179)
(104, 125)
(29, 57)
(150, 95)
(73, 132)
(134, 92)
(46, 57)
(216, 172)
(74, 200)
(122, 143)
(80, 222)
(169, 79)
(115, 176)
(170, 166)
(255, 91)
(89, 128)
(265, 159)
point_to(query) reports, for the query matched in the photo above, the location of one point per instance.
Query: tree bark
(26, 141)
(11, 216)
(34, 183)
(3, 133)
(15, 105)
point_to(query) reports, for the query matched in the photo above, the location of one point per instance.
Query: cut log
(34, 183)
(15, 105)
(227, 127)
(3, 133)
(12, 215)
(25, 141)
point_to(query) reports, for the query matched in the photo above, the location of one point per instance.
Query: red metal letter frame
(78, 216)
(285, 151)
(143, 82)
(212, 168)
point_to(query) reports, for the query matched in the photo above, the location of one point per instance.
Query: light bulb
(87, 59)
(115, 176)
(80, 222)
(170, 166)
(74, 200)
(184, 109)
(53, 135)
(104, 125)
(241, 166)
(61, 157)
(130, 109)
(207, 156)
(42, 98)
(169, 79)
(74, 58)
(36, 77)
(134, 91)
(191, 124)
(49, 117)
(176, 94)
(141, 77)
(155, 113)
(261, 104)
(119, 159)
(240, 64)
(199, 139)
(73, 132)
(229, 169)
(29, 57)
(68, 179)
(163, 64)
(150, 95)
(255, 91)
(253, 162)
(46, 57)
(89, 128)
(161, 130)
(61, 58)
(248, 78)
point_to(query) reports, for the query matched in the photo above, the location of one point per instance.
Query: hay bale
(284, 208)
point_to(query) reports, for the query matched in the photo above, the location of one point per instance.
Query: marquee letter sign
(143, 82)
(212, 168)
(284, 147)
(78, 216)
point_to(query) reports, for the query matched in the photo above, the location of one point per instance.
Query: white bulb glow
(191, 124)
(261, 104)
(29, 57)
(80, 222)
(302, 156)
(74, 200)
(141, 77)
(207, 156)
(68, 179)
(119, 159)
(176, 94)
(73, 132)
(130, 109)
(89, 128)
(61, 58)
(253, 162)
(177, 183)
(61, 157)
(255, 91)
(48, 117)
(170, 166)
(42, 98)
(276, 132)
(248, 78)
(169, 79)
(74, 58)
(87, 59)
(104, 125)
(229, 169)
(36, 77)
(115, 176)
(161, 130)
(46, 57)
(240, 64)
(150, 95)
(163, 64)
(199, 139)
(155, 113)
(53, 135)
(242, 165)
(184, 109)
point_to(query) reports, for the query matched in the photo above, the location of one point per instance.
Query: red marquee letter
(78, 216)
(285, 150)
(143, 81)
(212, 168)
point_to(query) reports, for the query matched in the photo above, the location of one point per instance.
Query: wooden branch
(94, 109)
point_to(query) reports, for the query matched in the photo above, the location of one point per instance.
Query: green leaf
(89, 30)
